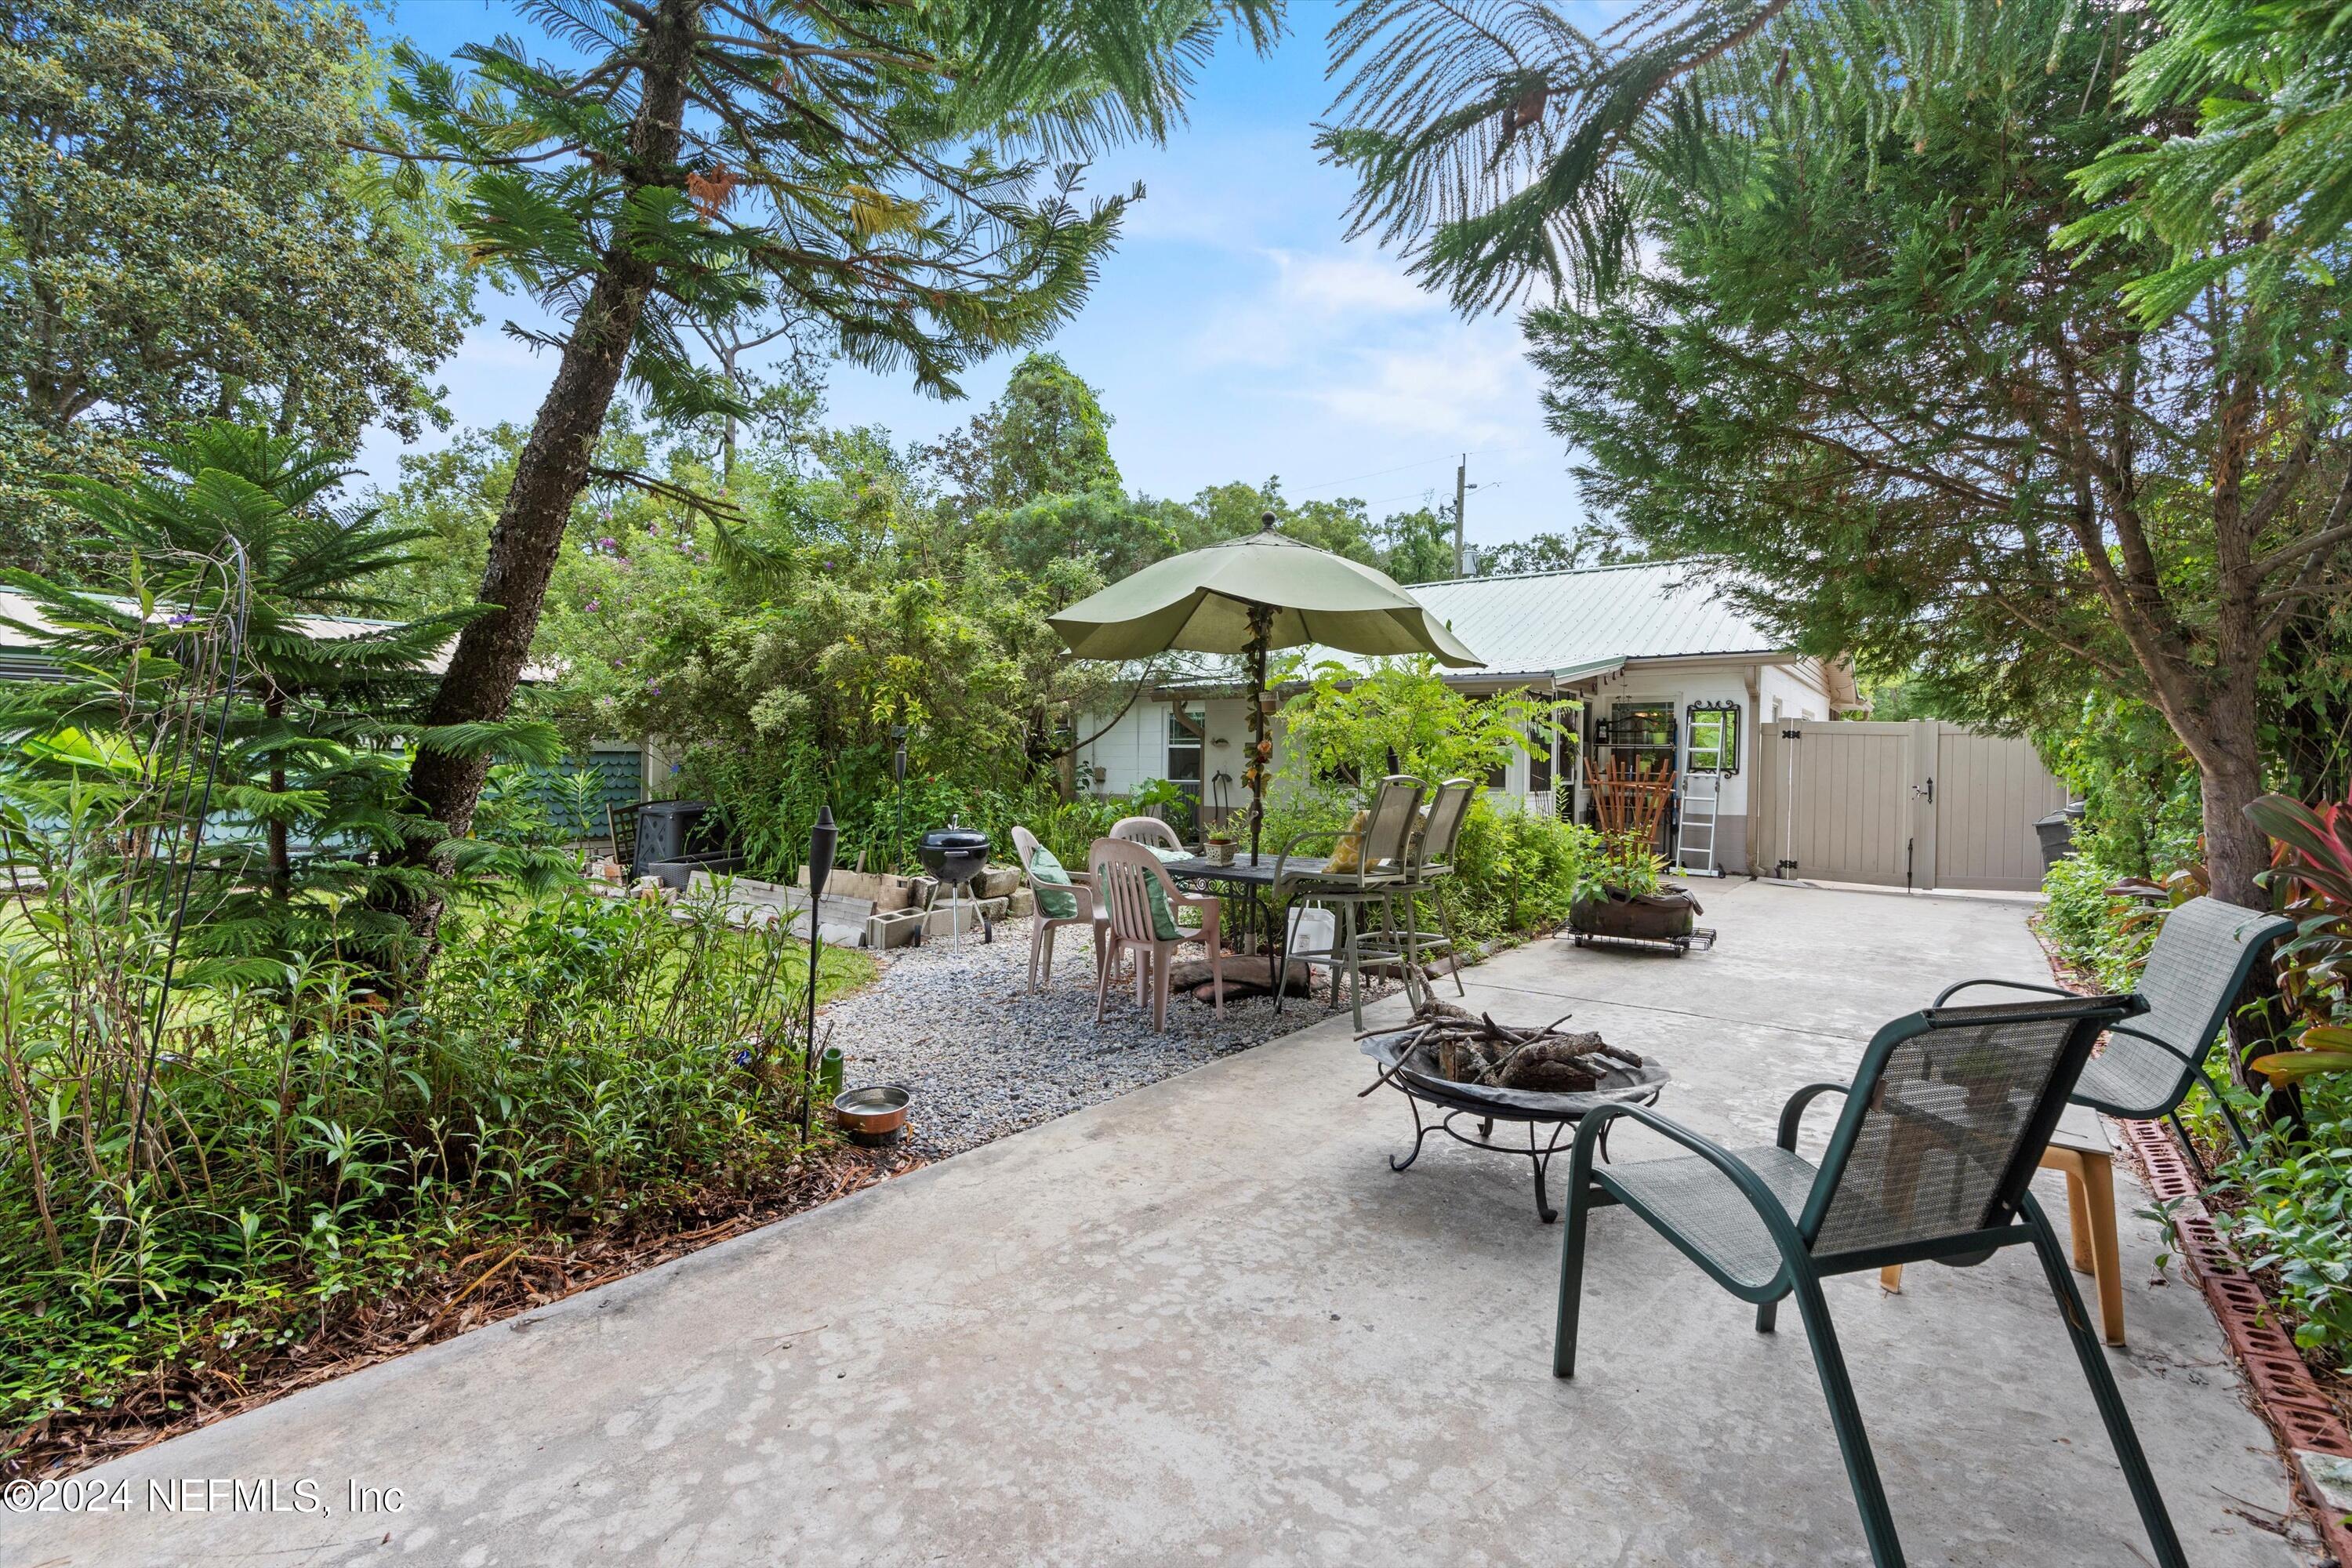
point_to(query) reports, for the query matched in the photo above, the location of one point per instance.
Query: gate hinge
(1784, 866)
(1792, 734)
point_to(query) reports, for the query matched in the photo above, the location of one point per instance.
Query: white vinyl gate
(1919, 804)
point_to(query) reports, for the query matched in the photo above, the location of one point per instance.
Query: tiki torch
(822, 839)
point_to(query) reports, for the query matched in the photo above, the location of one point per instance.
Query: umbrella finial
(1266, 522)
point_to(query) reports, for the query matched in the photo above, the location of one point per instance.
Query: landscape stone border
(2285, 1393)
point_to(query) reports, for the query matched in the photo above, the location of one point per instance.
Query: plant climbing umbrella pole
(1249, 596)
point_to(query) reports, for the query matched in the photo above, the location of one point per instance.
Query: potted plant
(1220, 848)
(1621, 895)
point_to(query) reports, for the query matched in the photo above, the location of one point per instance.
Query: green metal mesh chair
(1932, 1161)
(1429, 865)
(2193, 976)
(1355, 895)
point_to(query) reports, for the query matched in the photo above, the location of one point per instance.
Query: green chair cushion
(1045, 874)
(1163, 919)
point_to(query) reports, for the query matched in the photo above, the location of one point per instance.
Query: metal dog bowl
(873, 1115)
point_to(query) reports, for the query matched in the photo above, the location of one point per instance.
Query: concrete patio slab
(1203, 1322)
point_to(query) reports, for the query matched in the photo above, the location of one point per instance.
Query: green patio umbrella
(1250, 595)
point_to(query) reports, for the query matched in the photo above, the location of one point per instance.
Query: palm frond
(1494, 139)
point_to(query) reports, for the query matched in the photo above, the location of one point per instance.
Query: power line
(1376, 473)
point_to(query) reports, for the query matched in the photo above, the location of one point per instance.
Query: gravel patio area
(986, 1058)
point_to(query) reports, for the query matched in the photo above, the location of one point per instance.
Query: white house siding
(1135, 749)
(1711, 680)
(1797, 690)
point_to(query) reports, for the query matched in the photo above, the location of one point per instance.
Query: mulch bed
(464, 1293)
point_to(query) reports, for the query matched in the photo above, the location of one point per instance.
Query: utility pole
(1461, 489)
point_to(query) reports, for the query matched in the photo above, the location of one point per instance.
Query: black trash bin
(2056, 832)
(670, 830)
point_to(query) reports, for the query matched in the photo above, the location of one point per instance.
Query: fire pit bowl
(1410, 1069)
(954, 854)
(873, 1115)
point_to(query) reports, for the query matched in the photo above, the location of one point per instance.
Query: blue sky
(1234, 333)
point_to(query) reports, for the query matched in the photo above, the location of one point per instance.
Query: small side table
(2080, 1148)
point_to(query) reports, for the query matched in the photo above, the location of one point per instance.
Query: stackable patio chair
(1429, 862)
(2202, 955)
(1068, 901)
(1139, 904)
(1931, 1161)
(1355, 886)
(1147, 830)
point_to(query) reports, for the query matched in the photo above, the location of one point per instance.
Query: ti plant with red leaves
(2312, 865)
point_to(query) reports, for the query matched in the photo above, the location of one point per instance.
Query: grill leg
(1539, 1155)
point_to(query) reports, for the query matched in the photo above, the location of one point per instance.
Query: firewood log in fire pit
(1472, 1048)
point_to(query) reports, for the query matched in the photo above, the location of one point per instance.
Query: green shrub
(1516, 872)
(2104, 936)
(2297, 1218)
(569, 1061)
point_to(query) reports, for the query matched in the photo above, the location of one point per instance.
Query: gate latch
(1928, 789)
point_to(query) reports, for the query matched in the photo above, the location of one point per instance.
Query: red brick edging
(2285, 1393)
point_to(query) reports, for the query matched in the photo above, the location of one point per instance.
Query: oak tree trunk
(488, 662)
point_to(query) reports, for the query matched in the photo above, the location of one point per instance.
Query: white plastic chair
(1124, 875)
(1044, 928)
(1146, 830)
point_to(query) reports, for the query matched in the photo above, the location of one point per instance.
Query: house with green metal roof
(1659, 664)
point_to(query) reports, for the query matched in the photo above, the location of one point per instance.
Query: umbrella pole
(1261, 622)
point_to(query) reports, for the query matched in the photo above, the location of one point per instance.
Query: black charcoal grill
(956, 857)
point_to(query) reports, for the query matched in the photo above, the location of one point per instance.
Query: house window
(1344, 773)
(1715, 738)
(1184, 752)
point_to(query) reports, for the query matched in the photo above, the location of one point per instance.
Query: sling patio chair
(1429, 862)
(1931, 1161)
(2202, 956)
(1359, 879)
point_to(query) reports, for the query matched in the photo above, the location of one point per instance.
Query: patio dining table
(1252, 876)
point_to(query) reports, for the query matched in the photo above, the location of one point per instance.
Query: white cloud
(1348, 285)
(1304, 305)
(1470, 387)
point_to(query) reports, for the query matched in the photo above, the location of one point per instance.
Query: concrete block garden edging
(2285, 1393)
